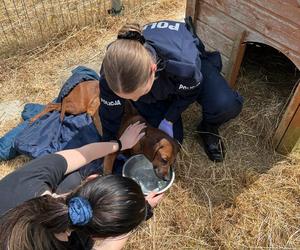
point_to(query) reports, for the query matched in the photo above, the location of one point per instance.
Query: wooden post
(288, 130)
(192, 9)
(116, 7)
(291, 135)
(236, 58)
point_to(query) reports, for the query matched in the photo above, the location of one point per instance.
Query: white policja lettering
(163, 25)
(111, 103)
(181, 86)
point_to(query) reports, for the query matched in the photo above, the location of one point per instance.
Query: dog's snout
(167, 177)
(162, 174)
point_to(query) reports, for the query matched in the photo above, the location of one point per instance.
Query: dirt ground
(251, 200)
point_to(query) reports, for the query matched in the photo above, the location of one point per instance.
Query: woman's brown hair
(127, 63)
(118, 206)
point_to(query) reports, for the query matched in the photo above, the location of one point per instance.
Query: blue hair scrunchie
(80, 211)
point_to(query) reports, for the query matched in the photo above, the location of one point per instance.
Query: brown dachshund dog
(84, 98)
(156, 145)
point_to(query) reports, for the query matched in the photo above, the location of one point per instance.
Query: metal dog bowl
(140, 169)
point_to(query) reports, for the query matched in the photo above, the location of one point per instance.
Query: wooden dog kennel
(228, 25)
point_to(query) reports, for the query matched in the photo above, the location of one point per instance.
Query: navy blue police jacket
(178, 78)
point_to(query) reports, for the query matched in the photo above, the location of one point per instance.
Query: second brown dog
(84, 98)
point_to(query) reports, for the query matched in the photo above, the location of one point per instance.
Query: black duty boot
(212, 142)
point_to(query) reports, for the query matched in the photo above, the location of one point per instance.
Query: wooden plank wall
(291, 136)
(272, 22)
(285, 122)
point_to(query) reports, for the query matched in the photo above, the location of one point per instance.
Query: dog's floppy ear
(162, 143)
(151, 149)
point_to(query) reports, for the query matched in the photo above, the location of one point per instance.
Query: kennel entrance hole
(282, 74)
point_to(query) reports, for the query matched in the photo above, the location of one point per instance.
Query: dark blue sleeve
(111, 111)
(187, 91)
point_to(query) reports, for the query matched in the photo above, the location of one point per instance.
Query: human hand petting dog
(132, 135)
(153, 198)
(167, 127)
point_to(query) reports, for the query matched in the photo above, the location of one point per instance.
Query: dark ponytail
(34, 222)
(117, 205)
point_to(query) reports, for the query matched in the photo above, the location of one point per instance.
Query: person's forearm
(79, 157)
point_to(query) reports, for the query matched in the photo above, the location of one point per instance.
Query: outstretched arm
(79, 157)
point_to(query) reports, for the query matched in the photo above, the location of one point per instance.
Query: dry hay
(266, 214)
(250, 200)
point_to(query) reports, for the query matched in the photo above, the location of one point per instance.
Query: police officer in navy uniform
(162, 70)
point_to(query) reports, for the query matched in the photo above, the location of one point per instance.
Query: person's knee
(225, 107)
(229, 103)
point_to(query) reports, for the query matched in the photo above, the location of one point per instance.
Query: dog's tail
(130, 110)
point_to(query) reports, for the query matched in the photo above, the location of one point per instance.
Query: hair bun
(132, 35)
(131, 32)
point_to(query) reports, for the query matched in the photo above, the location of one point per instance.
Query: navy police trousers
(219, 102)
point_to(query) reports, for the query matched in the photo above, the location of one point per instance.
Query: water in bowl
(141, 170)
(148, 180)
